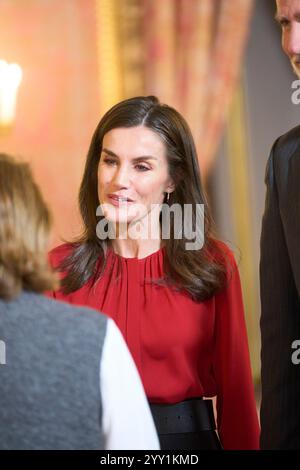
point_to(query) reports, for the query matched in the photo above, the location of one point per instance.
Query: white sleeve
(126, 417)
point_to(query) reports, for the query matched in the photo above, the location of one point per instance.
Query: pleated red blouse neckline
(153, 256)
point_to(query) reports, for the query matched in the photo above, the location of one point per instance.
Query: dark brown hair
(202, 272)
(24, 231)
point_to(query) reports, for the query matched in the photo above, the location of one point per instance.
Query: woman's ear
(171, 187)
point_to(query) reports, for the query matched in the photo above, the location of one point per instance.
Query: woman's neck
(135, 248)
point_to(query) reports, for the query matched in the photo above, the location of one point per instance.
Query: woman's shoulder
(224, 257)
(221, 253)
(59, 253)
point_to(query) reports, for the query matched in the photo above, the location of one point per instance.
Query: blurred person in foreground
(68, 380)
(280, 270)
(172, 288)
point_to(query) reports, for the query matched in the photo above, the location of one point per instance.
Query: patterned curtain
(193, 58)
(186, 52)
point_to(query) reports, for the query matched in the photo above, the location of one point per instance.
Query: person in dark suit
(280, 271)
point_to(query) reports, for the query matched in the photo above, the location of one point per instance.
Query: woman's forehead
(138, 141)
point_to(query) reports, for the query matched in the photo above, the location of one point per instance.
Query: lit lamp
(10, 79)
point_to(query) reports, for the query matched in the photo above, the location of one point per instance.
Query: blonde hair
(24, 231)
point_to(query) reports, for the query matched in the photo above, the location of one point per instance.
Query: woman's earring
(168, 197)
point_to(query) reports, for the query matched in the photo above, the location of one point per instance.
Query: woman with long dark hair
(148, 258)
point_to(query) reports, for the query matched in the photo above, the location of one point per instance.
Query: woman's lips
(118, 200)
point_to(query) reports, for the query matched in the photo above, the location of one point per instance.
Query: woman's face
(133, 174)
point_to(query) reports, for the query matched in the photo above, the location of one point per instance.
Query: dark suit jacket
(280, 289)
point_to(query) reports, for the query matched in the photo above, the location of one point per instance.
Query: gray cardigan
(50, 384)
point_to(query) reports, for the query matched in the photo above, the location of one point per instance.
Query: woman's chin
(119, 220)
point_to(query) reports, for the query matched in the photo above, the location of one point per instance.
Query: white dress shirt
(127, 421)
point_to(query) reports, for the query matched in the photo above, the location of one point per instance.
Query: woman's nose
(122, 177)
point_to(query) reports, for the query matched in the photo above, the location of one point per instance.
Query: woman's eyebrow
(109, 152)
(144, 157)
(279, 18)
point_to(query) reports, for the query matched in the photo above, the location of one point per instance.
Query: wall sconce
(10, 79)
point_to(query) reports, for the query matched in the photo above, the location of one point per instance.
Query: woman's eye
(109, 161)
(112, 162)
(140, 167)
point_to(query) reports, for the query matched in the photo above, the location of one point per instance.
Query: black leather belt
(187, 416)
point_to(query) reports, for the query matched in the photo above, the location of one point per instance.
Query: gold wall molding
(243, 218)
(109, 49)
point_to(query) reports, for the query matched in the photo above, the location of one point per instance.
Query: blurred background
(219, 62)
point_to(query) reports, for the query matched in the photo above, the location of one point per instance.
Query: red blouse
(182, 348)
